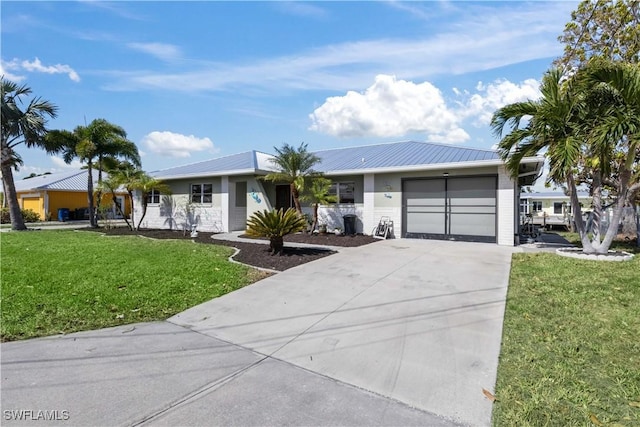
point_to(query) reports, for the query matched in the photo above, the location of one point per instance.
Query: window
(557, 208)
(524, 206)
(201, 193)
(153, 197)
(536, 206)
(241, 194)
(344, 191)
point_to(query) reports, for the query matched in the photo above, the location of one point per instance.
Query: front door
(284, 200)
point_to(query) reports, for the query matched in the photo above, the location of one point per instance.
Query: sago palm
(275, 224)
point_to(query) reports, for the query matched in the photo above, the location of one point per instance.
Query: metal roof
(242, 163)
(399, 155)
(64, 181)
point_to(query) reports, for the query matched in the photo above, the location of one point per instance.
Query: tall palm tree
(318, 194)
(91, 145)
(572, 127)
(21, 126)
(614, 133)
(295, 167)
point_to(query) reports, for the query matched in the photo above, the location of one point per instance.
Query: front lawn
(64, 281)
(571, 343)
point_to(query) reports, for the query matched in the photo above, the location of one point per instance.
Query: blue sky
(190, 81)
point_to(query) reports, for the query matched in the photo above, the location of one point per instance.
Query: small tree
(318, 194)
(295, 167)
(275, 225)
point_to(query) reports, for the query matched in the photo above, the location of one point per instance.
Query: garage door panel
(425, 222)
(473, 225)
(473, 210)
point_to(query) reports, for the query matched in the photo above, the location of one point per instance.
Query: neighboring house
(47, 194)
(552, 208)
(428, 190)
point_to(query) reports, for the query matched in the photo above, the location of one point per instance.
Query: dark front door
(283, 197)
(456, 208)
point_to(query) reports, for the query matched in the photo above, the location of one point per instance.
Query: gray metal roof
(250, 161)
(64, 181)
(399, 155)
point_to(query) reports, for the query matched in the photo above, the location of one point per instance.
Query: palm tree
(91, 145)
(21, 127)
(275, 225)
(318, 194)
(145, 184)
(577, 135)
(614, 133)
(295, 167)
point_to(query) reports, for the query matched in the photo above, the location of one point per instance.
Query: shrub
(27, 214)
(274, 225)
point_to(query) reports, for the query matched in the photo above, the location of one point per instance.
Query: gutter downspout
(46, 205)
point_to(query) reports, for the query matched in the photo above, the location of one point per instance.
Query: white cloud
(7, 67)
(389, 108)
(479, 39)
(166, 52)
(174, 144)
(493, 96)
(36, 66)
(60, 163)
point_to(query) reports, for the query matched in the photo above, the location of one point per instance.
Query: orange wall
(65, 199)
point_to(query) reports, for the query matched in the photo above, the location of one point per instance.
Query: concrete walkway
(400, 332)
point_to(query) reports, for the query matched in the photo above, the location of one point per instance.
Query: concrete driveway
(399, 332)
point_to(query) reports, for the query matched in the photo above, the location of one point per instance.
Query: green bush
(274, 225)
(27, 214)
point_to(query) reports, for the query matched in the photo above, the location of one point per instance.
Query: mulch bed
(257, 254)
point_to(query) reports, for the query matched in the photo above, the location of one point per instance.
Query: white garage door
(456, 208)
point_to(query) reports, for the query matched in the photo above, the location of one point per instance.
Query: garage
(450, 208)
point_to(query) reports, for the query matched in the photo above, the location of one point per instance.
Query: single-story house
(426, 190)
(48, 194)
(552, 208)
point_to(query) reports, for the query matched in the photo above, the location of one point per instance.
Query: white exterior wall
(174, 211)
(506, 208)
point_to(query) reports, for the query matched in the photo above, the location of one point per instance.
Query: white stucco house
(552, 208)
(427, 190)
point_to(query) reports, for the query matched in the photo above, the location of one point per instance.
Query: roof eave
(417, 168)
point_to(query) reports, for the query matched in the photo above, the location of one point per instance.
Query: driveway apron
(416, 321)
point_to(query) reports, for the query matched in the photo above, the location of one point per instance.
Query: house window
(524, 206)
(153, 197)
(557, 208)
(344, 191)
(201, 193)
(536, 206)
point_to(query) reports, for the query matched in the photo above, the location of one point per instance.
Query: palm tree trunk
(144, 211)
(577, 213)
(17, 222)
(276, 245)
(120, 211)
(315, 217)
(296, 197)
(93, 215)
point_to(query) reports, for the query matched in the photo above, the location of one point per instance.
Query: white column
(224, 202)
(368, 215)
(506, 208)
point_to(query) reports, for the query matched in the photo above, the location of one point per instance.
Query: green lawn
(65, 281)
(571, 343)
